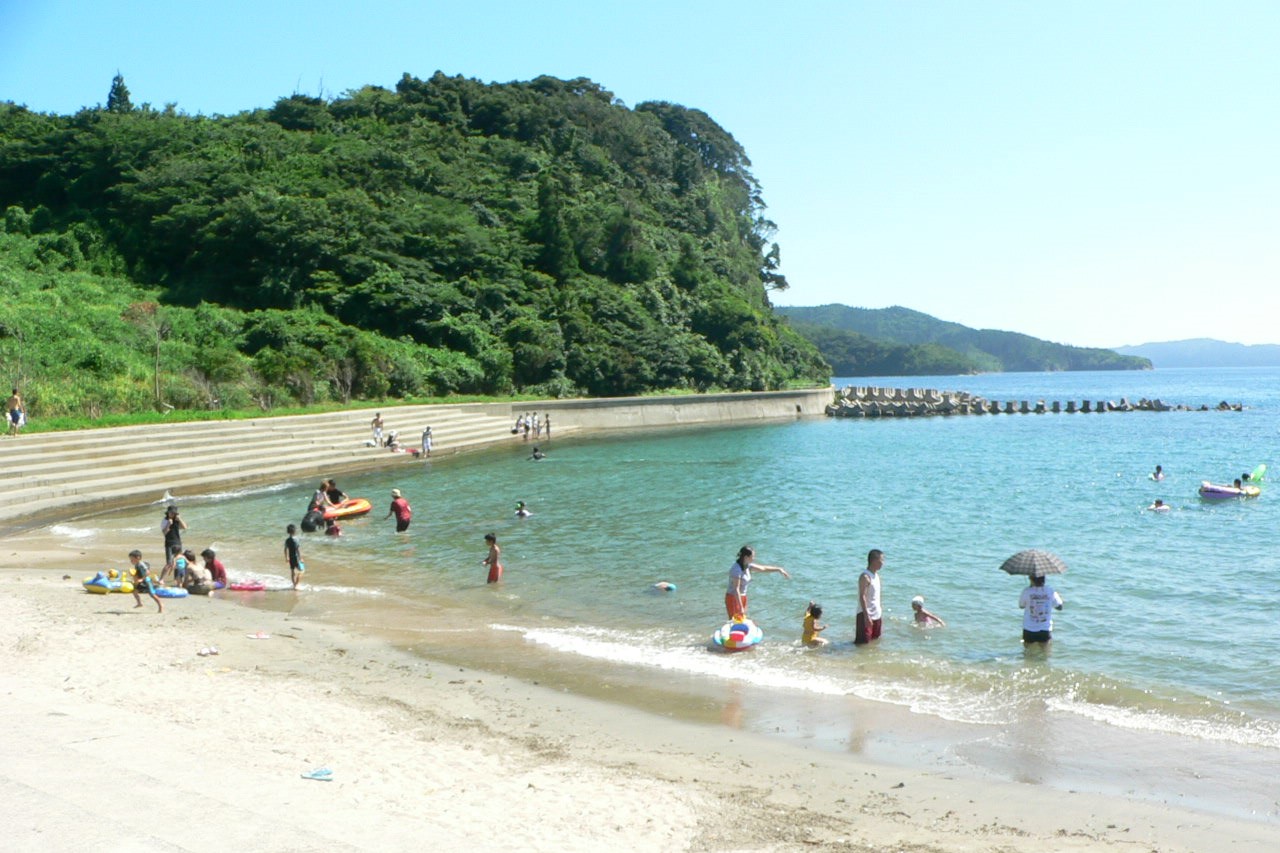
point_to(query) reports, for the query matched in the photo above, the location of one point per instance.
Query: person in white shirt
(1038, 601)
(870, 615)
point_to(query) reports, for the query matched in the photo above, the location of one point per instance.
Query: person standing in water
(171, 526)
(1038, 602)
(494, 558)
(870, 615)
(293, 555)
(735, 597)
(401, 510)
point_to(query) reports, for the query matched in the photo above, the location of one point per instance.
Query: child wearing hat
(923, 617)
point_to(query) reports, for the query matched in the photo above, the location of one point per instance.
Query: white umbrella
(1034, 563)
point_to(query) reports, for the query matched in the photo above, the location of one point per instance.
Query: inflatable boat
(348, 508)
(1218, 491)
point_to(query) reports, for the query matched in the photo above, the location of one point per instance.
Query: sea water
(1170, 618)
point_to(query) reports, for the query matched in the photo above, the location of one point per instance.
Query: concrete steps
(73, 473)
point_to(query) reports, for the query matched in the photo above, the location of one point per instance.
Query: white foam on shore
(79, 534)
(667, 651)
(345, 590)
(1256, 733)
(233, 494)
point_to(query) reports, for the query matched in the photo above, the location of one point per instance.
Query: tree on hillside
(118, 98)
(150, 319)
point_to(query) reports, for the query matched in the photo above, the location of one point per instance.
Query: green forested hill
(899, 341)
(447, 236)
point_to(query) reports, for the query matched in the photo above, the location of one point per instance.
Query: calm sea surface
(1169, 625)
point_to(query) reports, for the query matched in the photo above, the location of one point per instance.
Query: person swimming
(1157, 474)
(923, 617)
(1159, 506)
(521, 510)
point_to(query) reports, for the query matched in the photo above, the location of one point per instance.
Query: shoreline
(144, 462)
(666, 780)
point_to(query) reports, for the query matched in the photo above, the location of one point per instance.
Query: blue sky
(1093, 173)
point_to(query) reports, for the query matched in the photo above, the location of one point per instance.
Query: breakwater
(862, 401)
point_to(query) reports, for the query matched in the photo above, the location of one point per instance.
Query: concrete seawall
(644, 412)
(64, 475)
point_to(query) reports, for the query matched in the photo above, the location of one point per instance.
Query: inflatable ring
(737, 635)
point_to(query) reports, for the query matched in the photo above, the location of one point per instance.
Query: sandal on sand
(320, 774)
(261, 635)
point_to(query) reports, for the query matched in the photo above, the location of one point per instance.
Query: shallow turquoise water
(1169, 622)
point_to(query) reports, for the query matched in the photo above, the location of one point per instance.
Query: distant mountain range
(900, 342)
(1206, 352)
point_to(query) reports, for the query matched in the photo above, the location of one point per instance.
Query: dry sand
(119, 735)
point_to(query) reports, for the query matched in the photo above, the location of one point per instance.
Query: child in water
(812, 627)
(293, 555)
(331, 528)
(493, 559)
(923, 617)
(142, 580)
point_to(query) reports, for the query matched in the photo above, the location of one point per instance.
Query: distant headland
(900, 342)
(1206, 352)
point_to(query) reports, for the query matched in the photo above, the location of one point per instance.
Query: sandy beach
(123, 736)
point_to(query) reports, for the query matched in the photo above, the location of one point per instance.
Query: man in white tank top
(869, 612)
